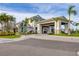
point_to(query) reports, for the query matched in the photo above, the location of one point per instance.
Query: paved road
(36, 47)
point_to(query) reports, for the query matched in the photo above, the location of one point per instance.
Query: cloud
(21, 16)
(49, 8)
(43, 9)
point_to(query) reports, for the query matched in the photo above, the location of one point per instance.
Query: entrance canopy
(55, 22)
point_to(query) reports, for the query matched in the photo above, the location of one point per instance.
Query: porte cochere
(52, 25)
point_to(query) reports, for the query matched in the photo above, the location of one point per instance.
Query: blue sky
(45, 10)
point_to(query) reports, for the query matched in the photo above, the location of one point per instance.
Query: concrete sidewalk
(51, 37)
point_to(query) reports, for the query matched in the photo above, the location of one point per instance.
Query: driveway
(34, 47)
(41, 45)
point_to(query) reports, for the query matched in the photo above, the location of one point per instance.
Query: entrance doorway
(45, 29)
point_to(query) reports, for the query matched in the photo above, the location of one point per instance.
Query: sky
(45, 10)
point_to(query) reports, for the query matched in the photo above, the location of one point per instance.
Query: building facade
(52, 25)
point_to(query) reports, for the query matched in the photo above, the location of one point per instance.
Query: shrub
(30, 32)
(6, 33)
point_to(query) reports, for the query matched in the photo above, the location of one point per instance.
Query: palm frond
(26, 20)
(77, 24)
(74, 12)
(70, 9)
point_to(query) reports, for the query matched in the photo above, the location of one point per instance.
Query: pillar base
(57, 32)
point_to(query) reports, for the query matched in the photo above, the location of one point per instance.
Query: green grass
(17, 35)
(62, 34)
(12, 36)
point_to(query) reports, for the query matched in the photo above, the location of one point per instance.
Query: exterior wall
(33, 25)
(57, 26)
(49, 29)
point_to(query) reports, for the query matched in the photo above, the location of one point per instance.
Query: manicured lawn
(72, 35)
(12, 36)
(17, 35)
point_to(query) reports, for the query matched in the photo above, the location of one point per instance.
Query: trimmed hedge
(6, 33)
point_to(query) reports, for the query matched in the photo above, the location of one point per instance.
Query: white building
(52, 25)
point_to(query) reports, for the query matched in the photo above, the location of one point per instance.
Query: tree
(24, 24)
(5, 20)
(26, 21)
(12, 23)
(71, 11)
(77, 24)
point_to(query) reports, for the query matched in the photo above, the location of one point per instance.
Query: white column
(66, 28)
(57, 27)
(39, 28)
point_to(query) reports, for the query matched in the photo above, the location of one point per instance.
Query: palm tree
(77, 24)
(12, 23)
(5, 20)
(2, 19)
(71, 11)
(24, 24)
(26, 21)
